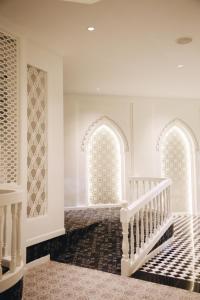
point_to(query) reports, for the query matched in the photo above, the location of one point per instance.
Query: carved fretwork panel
(37, 142)
(8, 109)
(104, 167)
(176, 164)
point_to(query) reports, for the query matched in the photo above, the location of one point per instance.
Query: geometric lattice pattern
(176, 164)
(104, 167)
(37, 142)
(8, 109)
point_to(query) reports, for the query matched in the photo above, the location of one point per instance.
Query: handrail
(140, 185)
(147, 178)
(144, 221)
(12, 197)
(146, 198)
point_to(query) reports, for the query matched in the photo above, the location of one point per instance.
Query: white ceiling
(131, 52)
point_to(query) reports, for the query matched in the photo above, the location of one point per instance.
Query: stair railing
(144, 221)
(11, 263)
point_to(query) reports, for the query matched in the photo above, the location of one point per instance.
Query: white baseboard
(37, 262)
(45, 237)
(93, 206)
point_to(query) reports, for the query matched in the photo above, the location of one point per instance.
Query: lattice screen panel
(104, 167)
(176, 164)
(8, 109)
(37, 142)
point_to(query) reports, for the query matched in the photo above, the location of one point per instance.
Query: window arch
(105, 144)
(177, 145)
(104, 167)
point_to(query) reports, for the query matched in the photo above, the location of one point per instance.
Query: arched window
(104, 164)
(177, 163)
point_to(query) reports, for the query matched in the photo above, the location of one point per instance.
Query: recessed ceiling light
(180, 66)
(183, 40)
(91, 28)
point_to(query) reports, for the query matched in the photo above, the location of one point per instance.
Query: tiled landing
(179, 264)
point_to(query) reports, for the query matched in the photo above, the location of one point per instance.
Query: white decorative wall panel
(176, 164)
(104, 167)
(37, 142)
(8, 109)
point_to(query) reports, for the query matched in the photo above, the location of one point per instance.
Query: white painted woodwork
(152, 215)
(1, 240)
(4, 249)
(10, 230)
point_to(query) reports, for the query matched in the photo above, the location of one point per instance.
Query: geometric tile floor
(179, 263)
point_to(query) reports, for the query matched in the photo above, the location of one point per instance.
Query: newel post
(124, 218)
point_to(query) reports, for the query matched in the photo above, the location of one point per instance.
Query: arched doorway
(177, 152)
(104, 167)
(105, 144)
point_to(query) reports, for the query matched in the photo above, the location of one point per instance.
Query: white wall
(52, 224)
(149, 117)
(80, 112)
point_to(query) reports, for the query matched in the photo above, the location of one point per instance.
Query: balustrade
(11, 264)
(145, 219)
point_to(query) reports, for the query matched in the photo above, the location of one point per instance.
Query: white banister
(155, 213)
(137, 234)
(19, 254)
(142, 227)
(148, 216)
(13, 238)
(1, 241)
(146, 223)
(10, 238)
(4, 250)
(132, 238)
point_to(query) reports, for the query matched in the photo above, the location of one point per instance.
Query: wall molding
(182, 125)
(94, 206)
(104, 120)
(45, 237)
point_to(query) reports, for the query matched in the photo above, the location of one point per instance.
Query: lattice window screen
(176, 164)
(104, 167)
(37, 142)
(8, 109)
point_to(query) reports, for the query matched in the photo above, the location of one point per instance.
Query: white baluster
(150, 219)
(169, 199)
(132, 239)
(125, 243)
(168, 202)
(161, 208)
(13, 238)
(146, 223)
(142, 227)
(137, 189)
(155, 213)
(158, 211)
(1, 240)
(143, 185)
(164, 206)
(19, 254)
(131, 190)
(137, 233)
(4, 250)
(150, 184)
